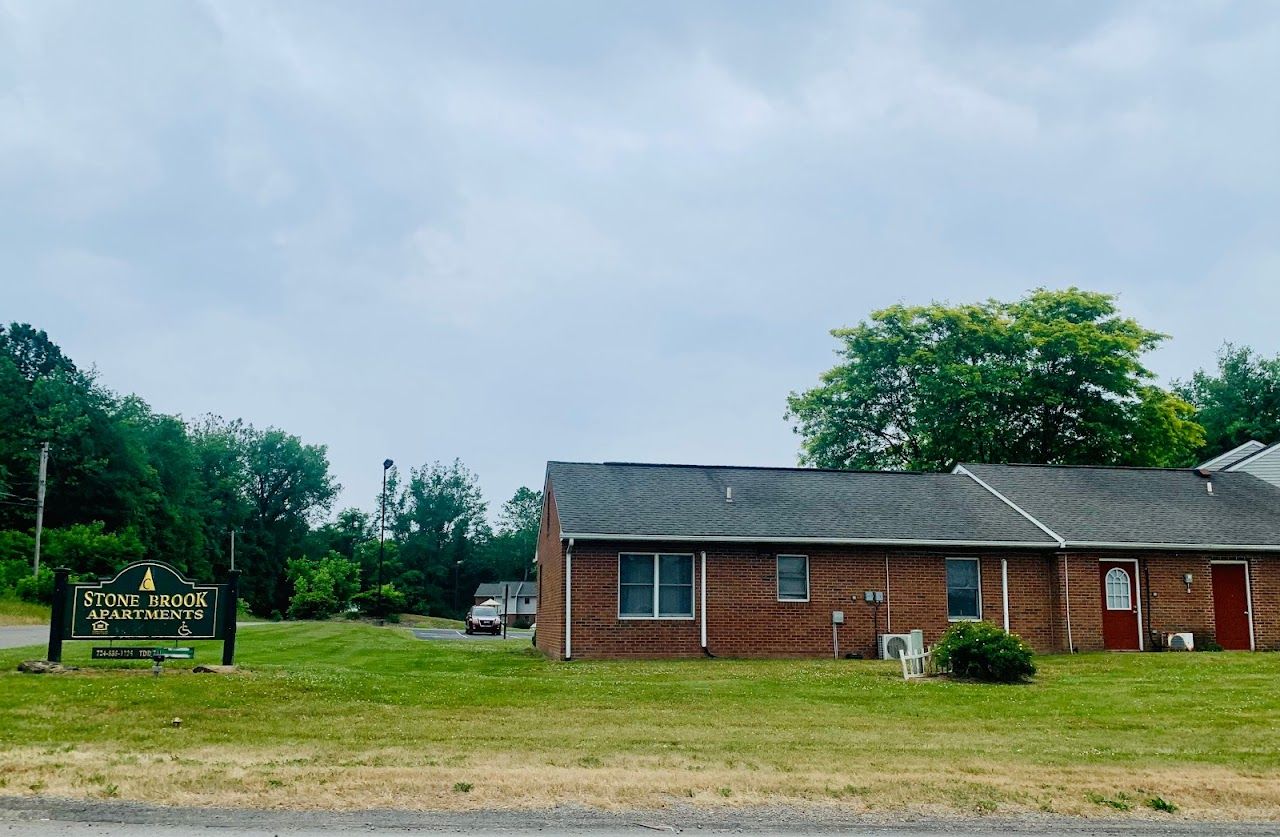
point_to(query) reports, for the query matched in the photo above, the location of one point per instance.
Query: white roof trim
(1236, 454)
(1181, 547)
(1235, 466)
(619, 536)
(960, 469)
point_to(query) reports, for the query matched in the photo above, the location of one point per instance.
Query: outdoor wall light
(1186, 579)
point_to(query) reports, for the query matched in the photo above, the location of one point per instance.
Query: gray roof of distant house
(1141, 506)
(775, 504)
(493, 589)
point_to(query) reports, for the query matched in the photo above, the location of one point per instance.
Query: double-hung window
(655, 586)
(964, 595)
(793, 578)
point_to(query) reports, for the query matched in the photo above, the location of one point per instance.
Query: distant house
(639, 560)
(1253, 457)
(522, 599)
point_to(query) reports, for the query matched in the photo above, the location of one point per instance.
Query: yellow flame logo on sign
(147, 582)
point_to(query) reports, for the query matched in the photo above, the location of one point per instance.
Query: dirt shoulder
(17, 813)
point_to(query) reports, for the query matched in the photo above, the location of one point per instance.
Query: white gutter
(888, 600)
(622, 536)
(960, 469)
(1184, 547)
(702, 597)
(568, 601)
(1004, 590)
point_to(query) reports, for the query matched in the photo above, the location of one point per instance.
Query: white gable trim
(960, 469)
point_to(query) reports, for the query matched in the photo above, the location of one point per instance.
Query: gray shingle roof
(1141, 505)
(493, 589)
(688, 502)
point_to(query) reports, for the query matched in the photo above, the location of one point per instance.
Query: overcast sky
(608, 231)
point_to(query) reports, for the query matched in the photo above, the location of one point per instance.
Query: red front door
(1119, 581)
(1231, 606)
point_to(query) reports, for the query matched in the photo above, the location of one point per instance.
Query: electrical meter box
(837, 617)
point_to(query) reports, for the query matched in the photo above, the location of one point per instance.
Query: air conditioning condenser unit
(893, 646)
(1182, 641)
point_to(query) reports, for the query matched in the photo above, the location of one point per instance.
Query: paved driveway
(451, 633)
(17, 637)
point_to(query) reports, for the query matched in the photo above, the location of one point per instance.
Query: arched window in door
(1118, 591)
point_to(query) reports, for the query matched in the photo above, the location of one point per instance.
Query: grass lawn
(332, 715)
(14, 611)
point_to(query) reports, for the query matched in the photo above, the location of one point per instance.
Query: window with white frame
(1119, 595)
(793, 578)
(964, 596)
(655, 586)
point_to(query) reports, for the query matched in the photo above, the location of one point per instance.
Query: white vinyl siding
(793, 578)
(1264, 465)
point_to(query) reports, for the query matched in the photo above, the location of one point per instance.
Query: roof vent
(728, 493)
(1208, 486)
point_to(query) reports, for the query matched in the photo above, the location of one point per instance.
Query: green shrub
(982, 651)
(323, 586)
(393, 601)
(36, 588)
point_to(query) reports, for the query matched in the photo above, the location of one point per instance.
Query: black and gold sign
(146, 600)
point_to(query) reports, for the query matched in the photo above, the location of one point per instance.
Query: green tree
(1236, 402)
(509, 551)
(438, 520)
(323, 586)
(1055, 377)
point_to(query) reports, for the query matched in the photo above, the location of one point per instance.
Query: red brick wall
(1167, 605)
(550, 631)
(744, 617)
(1264, 577)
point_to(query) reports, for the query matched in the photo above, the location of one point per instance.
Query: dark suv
(484, 619)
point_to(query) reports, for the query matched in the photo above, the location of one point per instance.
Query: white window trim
(657, 586)
(977, 562)
(777, 579)
(1107, 593)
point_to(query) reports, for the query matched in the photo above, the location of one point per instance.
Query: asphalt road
(451, 633)
(24, 635)
(43, 817)
(17, 637)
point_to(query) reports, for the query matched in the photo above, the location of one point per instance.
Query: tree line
(1056, 377)
(126, 482)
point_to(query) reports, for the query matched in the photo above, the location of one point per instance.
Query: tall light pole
(382, 529)
(40, 484)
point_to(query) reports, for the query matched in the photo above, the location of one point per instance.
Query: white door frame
(1137, 592)
(1248, 595)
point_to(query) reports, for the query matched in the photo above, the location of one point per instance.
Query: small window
(964, 596)
(1118, 591)
(793, 578)
(655, 586)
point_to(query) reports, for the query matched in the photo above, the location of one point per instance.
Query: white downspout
(1004, 590)
(702, 596)
(888, 601)
(1066, 575)
(568, 601)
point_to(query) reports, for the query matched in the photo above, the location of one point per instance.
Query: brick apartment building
(643, 560)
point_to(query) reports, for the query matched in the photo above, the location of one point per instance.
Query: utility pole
(382, 530)
(44, 472)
